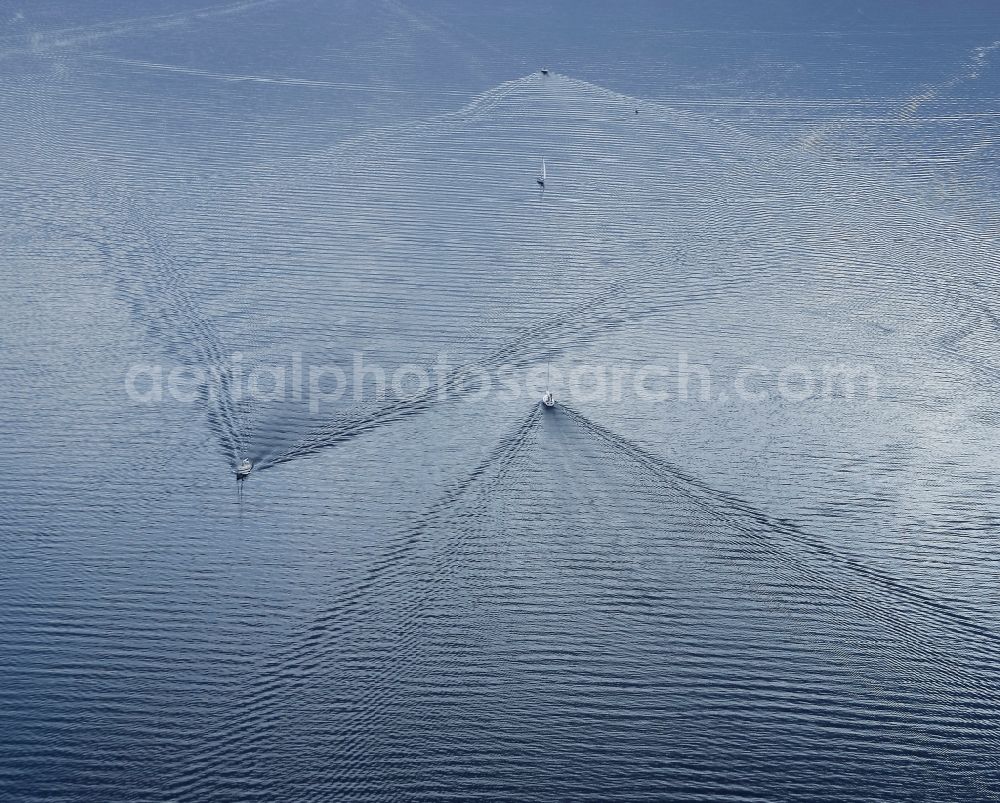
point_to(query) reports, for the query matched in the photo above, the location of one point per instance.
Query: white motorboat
(541, 179)
(243, 469)
(548, 399)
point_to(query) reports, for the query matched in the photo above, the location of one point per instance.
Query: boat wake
(806, 554)
(415, 569)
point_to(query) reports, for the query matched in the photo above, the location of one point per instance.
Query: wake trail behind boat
(156, 288)
(292, 670)
(755, 523)
(615, 306)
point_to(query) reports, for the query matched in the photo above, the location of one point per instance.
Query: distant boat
(541, 179)
(545, 72)
(243, 469)
(548, 398)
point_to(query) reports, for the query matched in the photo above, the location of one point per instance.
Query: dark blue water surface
(450, 592)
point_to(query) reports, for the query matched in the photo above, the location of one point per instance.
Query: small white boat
(548, 399)
(541, 179)
(243, 469)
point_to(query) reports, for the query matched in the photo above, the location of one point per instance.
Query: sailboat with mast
(548, 398)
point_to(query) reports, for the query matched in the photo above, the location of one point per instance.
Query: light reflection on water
(424, 596)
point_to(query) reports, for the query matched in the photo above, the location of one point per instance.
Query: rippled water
(456, 594)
